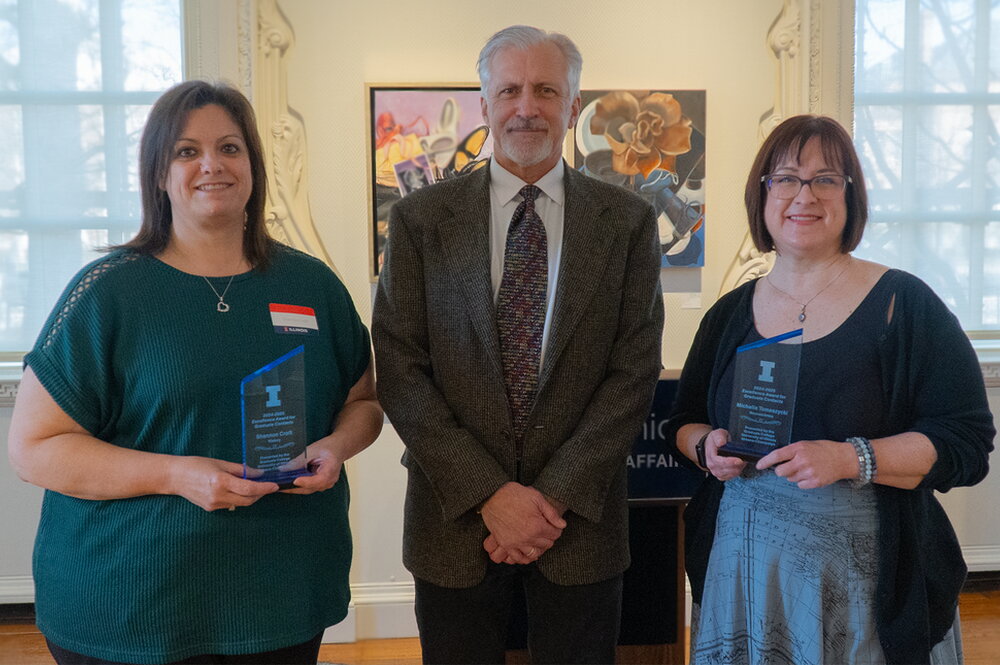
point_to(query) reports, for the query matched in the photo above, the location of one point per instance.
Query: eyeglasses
(787, 186)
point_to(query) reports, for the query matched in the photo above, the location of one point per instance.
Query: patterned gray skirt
(791, 578)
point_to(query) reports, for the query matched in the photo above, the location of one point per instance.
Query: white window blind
(927, 129)
(77, 79)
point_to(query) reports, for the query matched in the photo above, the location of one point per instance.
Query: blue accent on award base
(283, 478)
(770, 340)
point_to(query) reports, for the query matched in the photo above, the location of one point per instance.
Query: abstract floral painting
(419, 135)
(651, 142)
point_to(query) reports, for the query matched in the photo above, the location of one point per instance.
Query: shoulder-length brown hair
(166, 121)
(787, 140)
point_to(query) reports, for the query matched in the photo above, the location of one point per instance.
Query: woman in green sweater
(153, 547)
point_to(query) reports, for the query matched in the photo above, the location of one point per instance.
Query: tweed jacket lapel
(465, 244)
(584, 251)
(466, 247)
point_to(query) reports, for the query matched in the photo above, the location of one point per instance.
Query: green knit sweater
(136, 353)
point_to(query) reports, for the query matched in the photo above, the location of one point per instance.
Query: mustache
(527, 124)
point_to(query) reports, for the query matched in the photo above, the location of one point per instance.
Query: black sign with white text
(653, 473)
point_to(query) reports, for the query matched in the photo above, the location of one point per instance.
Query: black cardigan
(933, 385)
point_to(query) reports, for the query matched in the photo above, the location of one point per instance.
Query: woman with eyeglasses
(830, 548)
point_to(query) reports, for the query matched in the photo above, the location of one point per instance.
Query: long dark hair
(789, 138)
(166, 121)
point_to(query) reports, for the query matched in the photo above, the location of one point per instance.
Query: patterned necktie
(521, 307)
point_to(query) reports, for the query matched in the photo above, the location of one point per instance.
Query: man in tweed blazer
(483, 515)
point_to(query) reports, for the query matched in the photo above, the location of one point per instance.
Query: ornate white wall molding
(245, 42)
(784, 40)
(748, 264)
(831, 60)
(245, 31)
(813, 46)
(283, 133)
(211, 40)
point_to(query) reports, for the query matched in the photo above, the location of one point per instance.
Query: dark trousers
(566, 624)
(306, 653)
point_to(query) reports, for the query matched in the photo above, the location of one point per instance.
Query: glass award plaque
(765, 381)
(273, 400)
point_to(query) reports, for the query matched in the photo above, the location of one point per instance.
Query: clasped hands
(523, 524)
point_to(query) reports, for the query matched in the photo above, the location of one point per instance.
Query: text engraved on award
(765, 382)
(274, 420)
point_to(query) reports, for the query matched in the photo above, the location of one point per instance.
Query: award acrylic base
(274, 421)
(765, 381)
(748, 452)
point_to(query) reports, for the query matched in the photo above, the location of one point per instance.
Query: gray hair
(523, 37)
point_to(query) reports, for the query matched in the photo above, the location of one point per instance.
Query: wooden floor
(21, 644)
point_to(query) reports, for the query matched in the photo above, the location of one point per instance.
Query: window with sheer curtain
(927, 119)
(77, 79)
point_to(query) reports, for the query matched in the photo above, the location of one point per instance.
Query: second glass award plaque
(274, 420)
(765, 381)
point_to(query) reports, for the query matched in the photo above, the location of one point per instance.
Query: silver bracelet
(867, 467)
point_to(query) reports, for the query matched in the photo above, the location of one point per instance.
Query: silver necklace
(221, 306)
(803, 305)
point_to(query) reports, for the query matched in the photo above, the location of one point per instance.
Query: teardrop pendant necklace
(803, 305)
(222, 306)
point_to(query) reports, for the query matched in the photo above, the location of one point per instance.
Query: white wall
(716, 45)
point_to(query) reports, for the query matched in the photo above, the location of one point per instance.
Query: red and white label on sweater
(293, 319)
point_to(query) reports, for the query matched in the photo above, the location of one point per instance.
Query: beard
(528, 150)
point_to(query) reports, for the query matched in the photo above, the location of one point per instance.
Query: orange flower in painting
(643, 135)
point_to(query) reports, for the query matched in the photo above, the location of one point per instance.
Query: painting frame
(396, 119)
(416, 136)
(653, 143)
